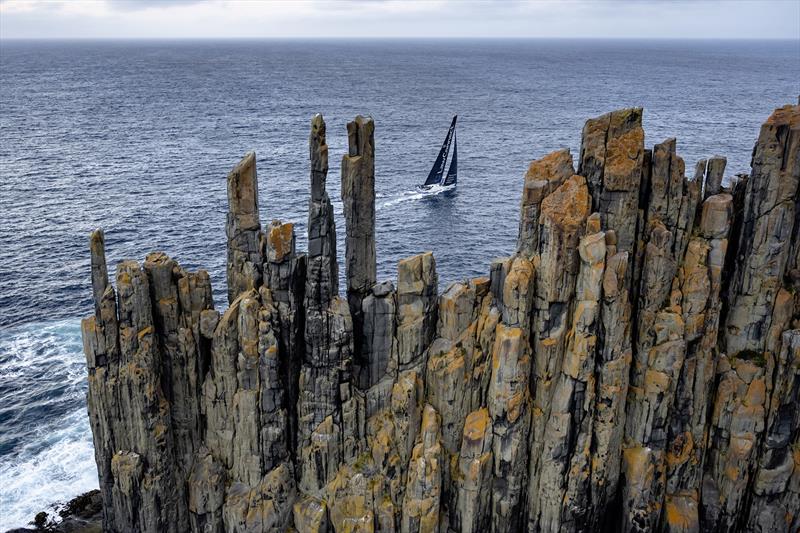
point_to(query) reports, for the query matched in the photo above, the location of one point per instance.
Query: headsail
(435, 176)
(452, 173)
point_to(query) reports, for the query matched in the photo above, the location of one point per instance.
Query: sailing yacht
(437, 179)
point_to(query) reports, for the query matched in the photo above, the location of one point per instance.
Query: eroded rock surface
(633, 366)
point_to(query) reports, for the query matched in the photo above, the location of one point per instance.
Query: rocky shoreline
(82, 514)
(631, 367)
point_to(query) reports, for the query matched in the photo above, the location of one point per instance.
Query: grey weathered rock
(358, 197)
(243, 228)
(562, 500)
(613, 375)
(475, 465)
(509, 407)
(424, 485)
(715, 171)
(764, 243)
(562, 222)
(776, 487)
(584, 385)
(416, 308)
(285, 277)
(611, 160)
(543, 177)
(324, 382)
(380, 314)
(129, 412)
(700, 282)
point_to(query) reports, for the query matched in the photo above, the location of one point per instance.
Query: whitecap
(46, 446)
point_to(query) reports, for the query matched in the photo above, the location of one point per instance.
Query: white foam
(58, 473)
(56, 461)
(416, 194)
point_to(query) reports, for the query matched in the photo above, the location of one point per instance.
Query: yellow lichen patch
(638, 467)
(475, 425)
(756, 393)
(623, 160)
(681, 514)
(550, 167)
(569, 205)
(786, 115)
(280, 240)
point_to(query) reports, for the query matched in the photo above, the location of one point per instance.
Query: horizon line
(405, 38)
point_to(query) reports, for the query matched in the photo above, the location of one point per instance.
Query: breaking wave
(46, 452)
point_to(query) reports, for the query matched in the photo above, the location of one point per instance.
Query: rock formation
(633, 366)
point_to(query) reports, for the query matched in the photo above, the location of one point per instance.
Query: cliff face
(633, 366)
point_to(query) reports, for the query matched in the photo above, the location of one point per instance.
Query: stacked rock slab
(633, 366)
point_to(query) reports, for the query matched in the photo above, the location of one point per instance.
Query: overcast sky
(397, 18)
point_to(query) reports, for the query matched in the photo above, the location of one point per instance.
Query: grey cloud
(138, 5)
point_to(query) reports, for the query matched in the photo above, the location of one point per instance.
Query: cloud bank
(713, 19)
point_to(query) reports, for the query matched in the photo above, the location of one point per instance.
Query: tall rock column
(775, 504)
(243, 229)
(767, 232)
(612, 374)
(285, 276)
(325, 374)
(509, 407)
(562, 502)
(358, 197)
(736, 425)
(544, 176)
(180, 300)
(714, 172)
(611, 160)
(700, 281)
(417, 286)
(562, 224)
(134, 444)
(101, 347)
(247, 435)
(424, 485)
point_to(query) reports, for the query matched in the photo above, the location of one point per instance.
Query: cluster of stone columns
(631, 367)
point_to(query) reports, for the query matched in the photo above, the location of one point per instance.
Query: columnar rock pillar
(562, 501)
(612, 373)
(285, 276)
(324, 387)
(714, 172)
(358, 197)
(179, 300)
(562, 224)
(699, 281)
(243, 229)
(142, 457)
(765, 241)
(761, 306)
(611, 160)
(776, 488)
(417, 285)
(543, 177)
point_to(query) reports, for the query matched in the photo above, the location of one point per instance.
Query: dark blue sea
(137, 137)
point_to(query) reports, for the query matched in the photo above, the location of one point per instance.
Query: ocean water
(137, 137)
